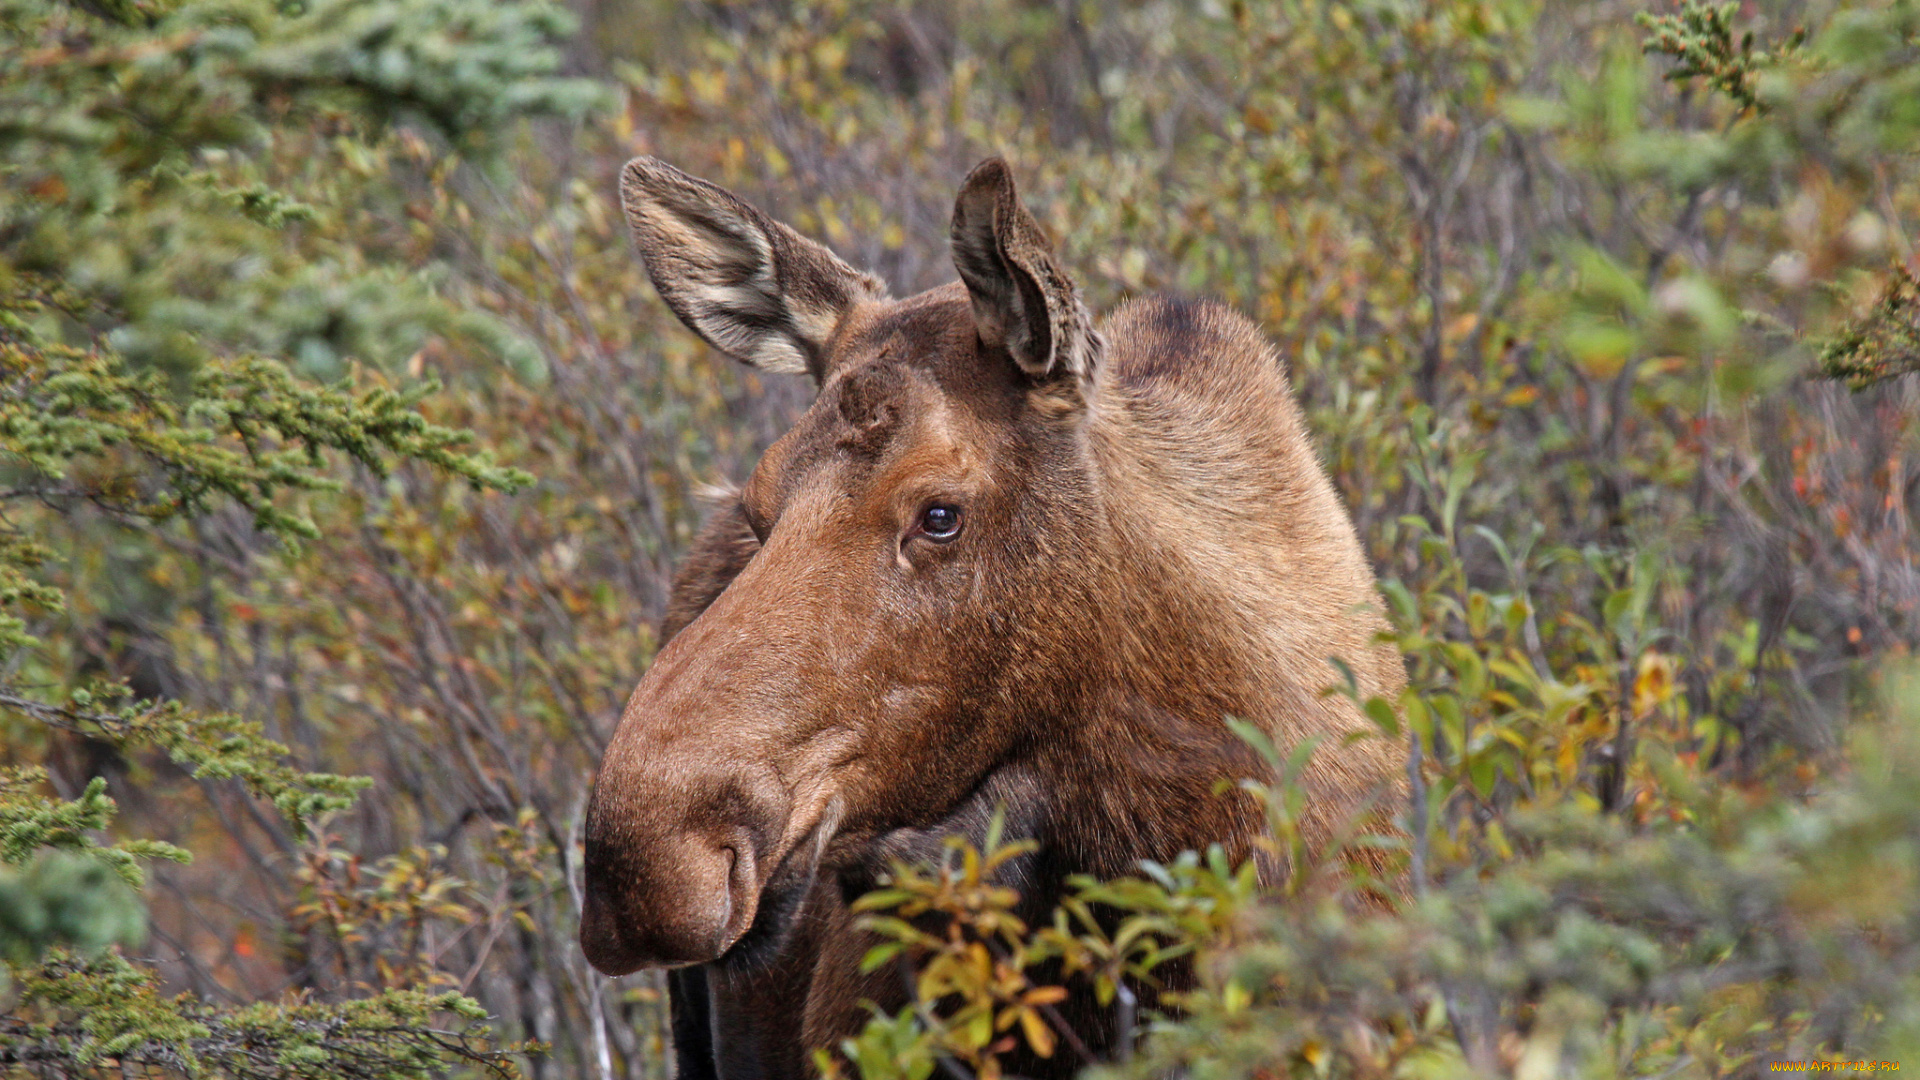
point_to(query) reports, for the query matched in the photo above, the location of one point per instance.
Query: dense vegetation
(347, 456)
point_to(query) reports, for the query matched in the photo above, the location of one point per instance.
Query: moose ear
(753, 288)
(1022, 299)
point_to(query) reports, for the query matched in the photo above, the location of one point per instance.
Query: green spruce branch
(1701, 40)
(104, 1017)
(1883, 343)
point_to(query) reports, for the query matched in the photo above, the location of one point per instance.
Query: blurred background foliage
(342, 437)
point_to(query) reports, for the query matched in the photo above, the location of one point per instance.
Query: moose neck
(1212, 560)
(1119, 675)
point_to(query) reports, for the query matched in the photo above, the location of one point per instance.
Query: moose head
(1005, 561)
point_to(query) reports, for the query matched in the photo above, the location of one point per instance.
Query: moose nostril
(726, 902)
(740, 888)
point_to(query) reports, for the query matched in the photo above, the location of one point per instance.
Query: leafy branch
(1883, 343)
(105, 1018)
(1701, 41)
(81, 424)
(218, 746)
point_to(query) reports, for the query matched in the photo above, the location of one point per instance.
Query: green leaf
(1380, 711)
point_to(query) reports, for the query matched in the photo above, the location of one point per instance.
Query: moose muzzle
(686, 902)
(680, 837)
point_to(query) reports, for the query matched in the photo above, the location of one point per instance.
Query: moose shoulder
(1006, 559)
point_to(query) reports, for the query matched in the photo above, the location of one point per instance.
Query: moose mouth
(782, 900)
(773, 925)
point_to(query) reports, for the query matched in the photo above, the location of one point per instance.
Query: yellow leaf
(1497, 836)
(1653, 684)
(1039, 1035)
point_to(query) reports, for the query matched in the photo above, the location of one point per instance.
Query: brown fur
(1147, 547)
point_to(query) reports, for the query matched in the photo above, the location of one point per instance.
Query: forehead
(932, 332)
(898, 362)
(901, 375)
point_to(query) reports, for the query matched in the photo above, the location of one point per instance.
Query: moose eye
(940, 523)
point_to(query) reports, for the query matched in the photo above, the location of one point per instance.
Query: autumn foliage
(347, 456)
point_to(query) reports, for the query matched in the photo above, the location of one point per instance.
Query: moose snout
(689, 815)
(682, 902)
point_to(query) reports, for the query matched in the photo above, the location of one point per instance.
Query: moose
(1009, 561)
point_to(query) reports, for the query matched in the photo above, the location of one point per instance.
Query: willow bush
(348, 456)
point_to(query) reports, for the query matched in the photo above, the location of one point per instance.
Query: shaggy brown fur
(1006, 560)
